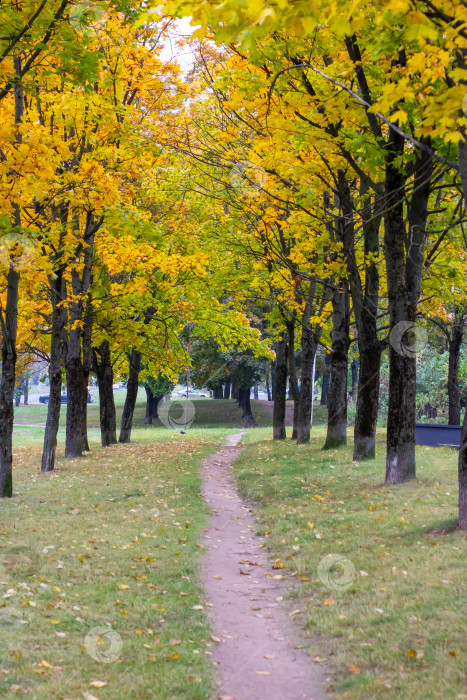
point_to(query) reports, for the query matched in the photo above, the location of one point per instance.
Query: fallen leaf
(98, 684)
(355, 668)
(329, 601)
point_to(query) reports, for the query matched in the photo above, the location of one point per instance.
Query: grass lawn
(109, 541)
(395, 629)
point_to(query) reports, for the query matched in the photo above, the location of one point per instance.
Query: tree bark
(273, 380)
(245, 405)
(280, 396)
(455, 343)
(7, 388)
(78, 345)
(268, 388)
(26, 390)
(366, 416)
(325, 383)
(337, 404)
(255, 391)
(354, 377)
(234, 392)
(463, 476)
(9, 325)
(102, 366)
(404, 274)
(309, 343)
(365, 301)
(227, 390)
(131, 395)
(55, 372)
(293, 380)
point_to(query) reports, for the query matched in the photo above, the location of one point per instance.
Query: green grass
(398, 629)
(208, 413)
(107, 541)
(112, 540)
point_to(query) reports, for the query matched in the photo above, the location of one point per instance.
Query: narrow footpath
(255, 654)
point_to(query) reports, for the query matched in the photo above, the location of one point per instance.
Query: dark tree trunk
(273, 380)
(102, 366)
(9, 328)
(293, 381)
(17, 400)
(245, 405)
(325, 384)
(26, 390)
(366, 415)
(337, 403)
(78, 348)
(309, 343)
(234, 392)
(218, 392)
(131, 396)
(227, 390)
(55, 373)
(255, 391)
(268, 388)
(354, 376)
(9, 325)
(152, 405)
(278, 416)
(463, 477)
(365, 300)
(404, 277)
(455, 343)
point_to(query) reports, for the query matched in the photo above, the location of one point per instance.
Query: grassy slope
(399, 629)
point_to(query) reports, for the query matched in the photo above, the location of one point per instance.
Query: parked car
(119, 385)
(191, 393)
(45, 397)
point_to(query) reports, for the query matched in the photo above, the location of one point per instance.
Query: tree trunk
(9, 325)
(354, 376)
(245, 405)
(366, 416)
(404, 274)
(255, 391)
(26, 390)
(87, 361)
(268, 388)
(463, 477)
(218, 392)
(293, 381)
(78, 347)
(273, 380)
(234, 392)
(309, 343)
(102, 365)
(227, 390)
(325, 385)
(337, 404)
(455, 343)
(55, 373)
(9, 328)
(131, 396)
(365, 300)
(278, 417)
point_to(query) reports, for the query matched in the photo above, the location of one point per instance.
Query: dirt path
(255, 656)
